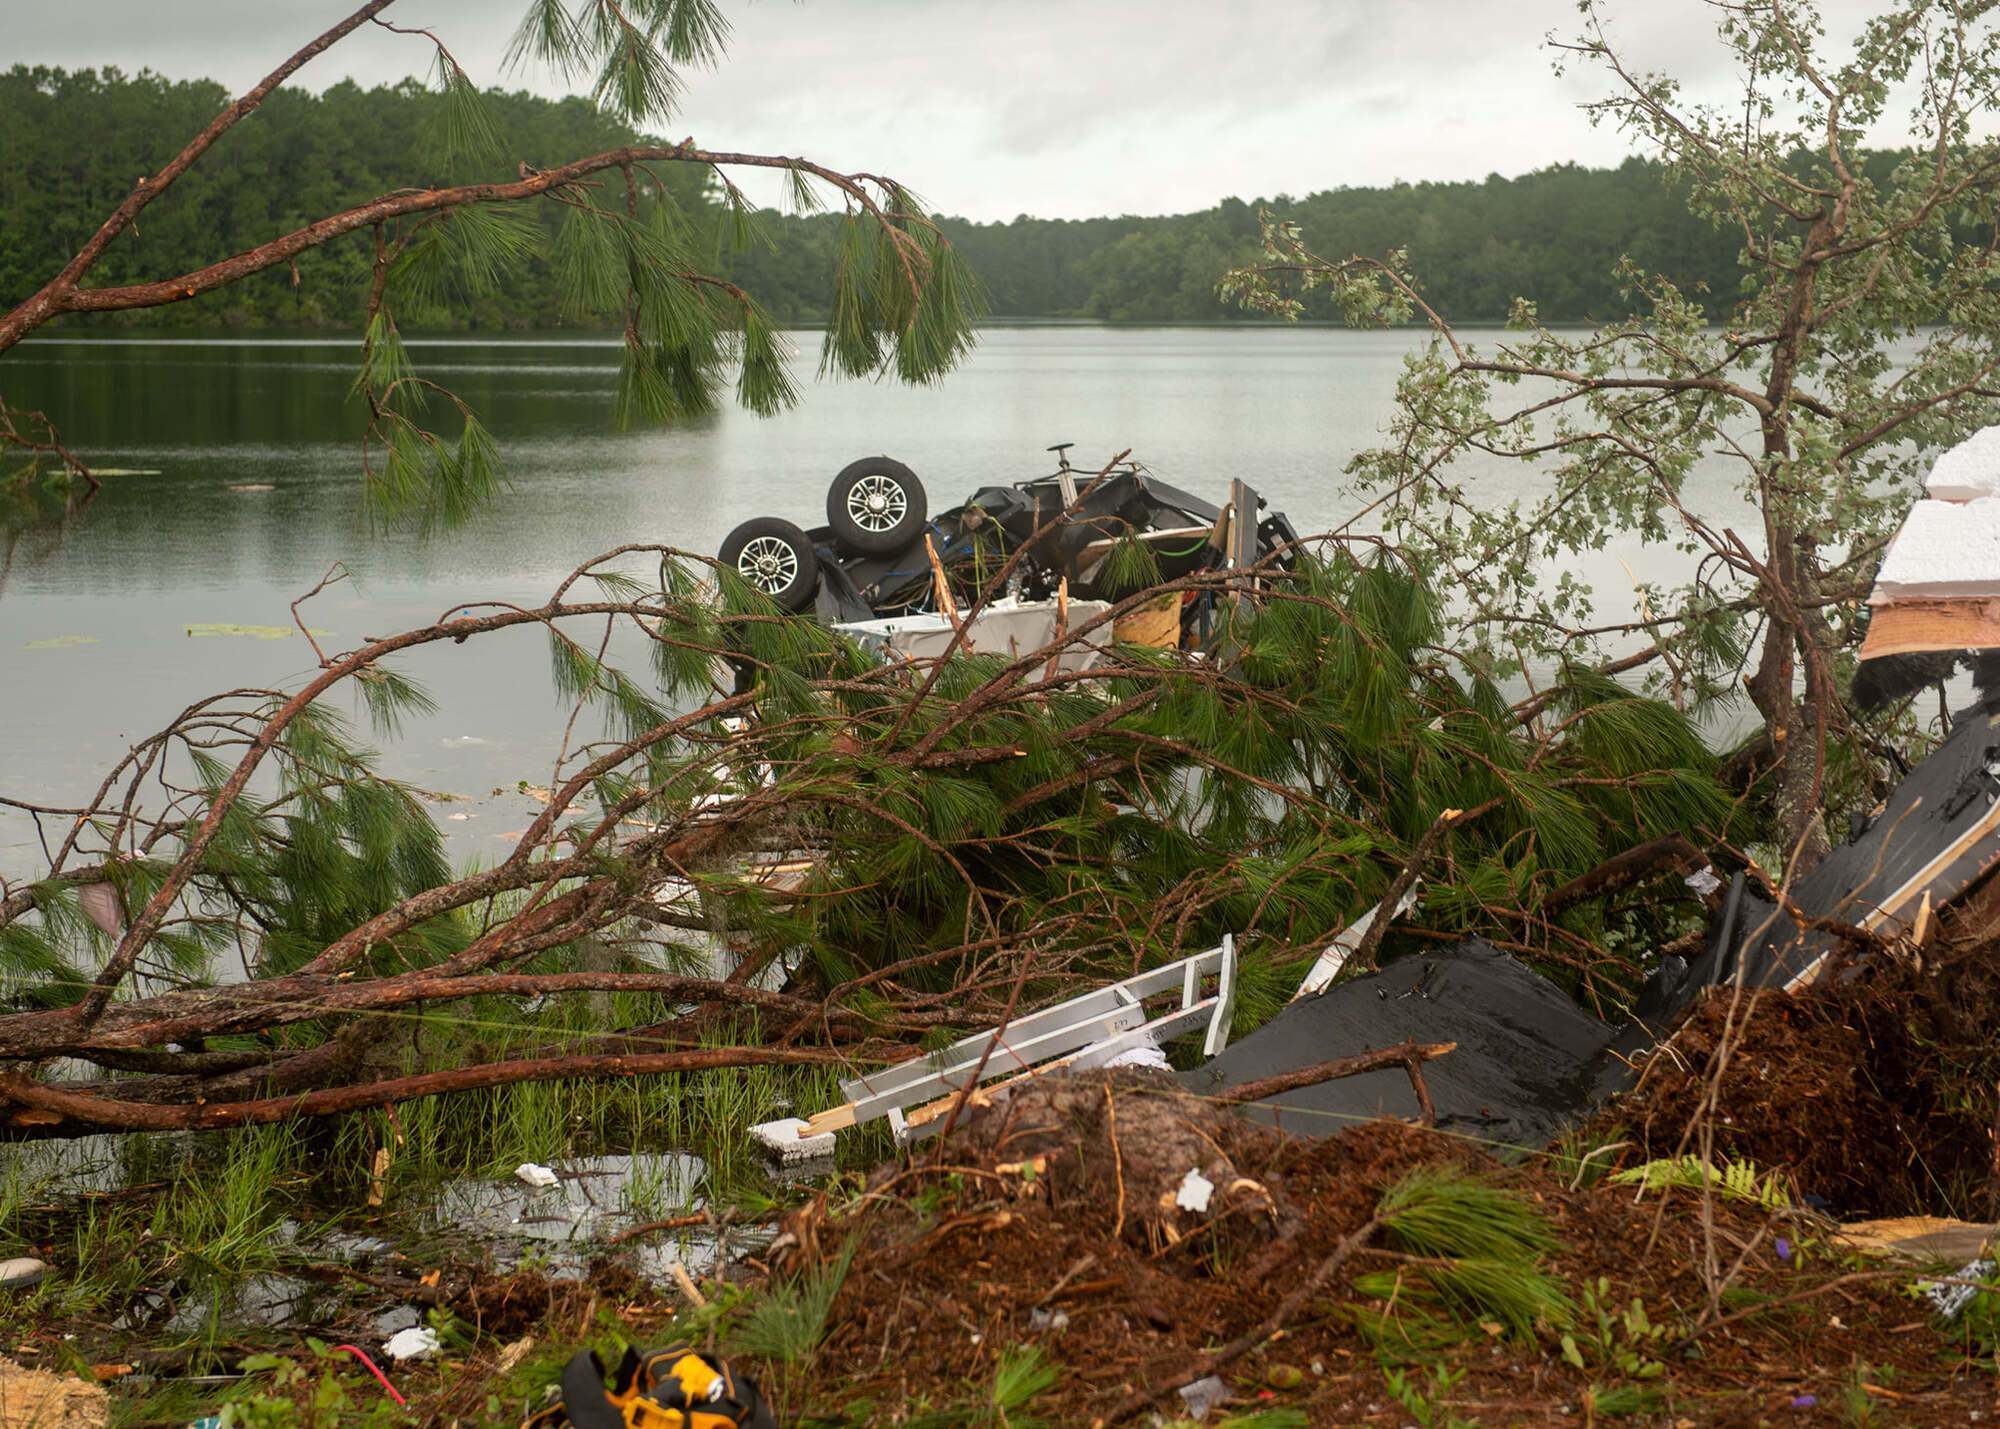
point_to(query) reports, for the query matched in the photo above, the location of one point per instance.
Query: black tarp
(1526, 1057)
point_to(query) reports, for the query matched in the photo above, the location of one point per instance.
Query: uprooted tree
(624, 253)
(1793, 389)
(823, 857)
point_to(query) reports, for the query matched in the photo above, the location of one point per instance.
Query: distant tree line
(71, 144)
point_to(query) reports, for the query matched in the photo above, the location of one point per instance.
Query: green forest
(72, 143)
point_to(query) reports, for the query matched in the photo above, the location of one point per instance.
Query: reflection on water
(565, 1225)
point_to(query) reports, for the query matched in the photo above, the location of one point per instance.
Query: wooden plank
(1906, 627)
(834, 1118)
(1155, 623)
(1918, 883)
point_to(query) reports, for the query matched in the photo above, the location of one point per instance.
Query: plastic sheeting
(1525, 1062)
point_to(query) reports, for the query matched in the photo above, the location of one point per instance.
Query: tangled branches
(780, 849)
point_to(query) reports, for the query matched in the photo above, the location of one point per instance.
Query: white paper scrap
(1195, 1191)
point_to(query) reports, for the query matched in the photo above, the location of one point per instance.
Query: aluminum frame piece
(1086, 1031)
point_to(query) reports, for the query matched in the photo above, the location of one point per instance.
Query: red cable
(358, 1354)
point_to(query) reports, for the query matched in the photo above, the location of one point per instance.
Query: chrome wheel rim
(877, 504)
(768, 563)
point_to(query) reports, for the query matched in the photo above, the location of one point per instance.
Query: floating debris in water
(250, 632)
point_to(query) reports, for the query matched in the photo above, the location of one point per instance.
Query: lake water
(95, 649)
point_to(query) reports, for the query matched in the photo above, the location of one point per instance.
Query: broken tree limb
(1669, 852)
(30, 1103)
(1409, 1055)
(1385, 911)
(676, 810)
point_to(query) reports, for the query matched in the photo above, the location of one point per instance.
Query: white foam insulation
(1946, 550)
(1968, 471)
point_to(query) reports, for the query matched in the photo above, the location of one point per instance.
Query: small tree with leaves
(626, 253)
(1788, 383)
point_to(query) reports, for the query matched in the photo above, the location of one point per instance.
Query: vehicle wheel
(776, 558)
(876, 507)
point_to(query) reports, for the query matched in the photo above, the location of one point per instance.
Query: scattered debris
(1343, 947)
(981, 1260)
(1948, 1297)
(670, 1387)
(1195, 1189)
(249, 632)
(685, 1283)
(416, 1343)
(1204, 1397)
(791, 1138)
(917, 1097)
(1146, 1054)
(1919, 1238)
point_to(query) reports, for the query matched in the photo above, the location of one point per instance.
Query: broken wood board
(1921, 1238)
(1155, 623)
(1906, 627)
(39, 1399)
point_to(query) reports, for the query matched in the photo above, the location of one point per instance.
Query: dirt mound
(1055, 1220)
(1875, 1098)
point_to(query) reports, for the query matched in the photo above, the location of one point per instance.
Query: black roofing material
(1525, 1063)
(1937, 804)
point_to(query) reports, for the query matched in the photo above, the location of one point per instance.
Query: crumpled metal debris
(1950, 1297)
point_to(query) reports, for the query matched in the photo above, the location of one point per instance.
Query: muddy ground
(1052, 1222)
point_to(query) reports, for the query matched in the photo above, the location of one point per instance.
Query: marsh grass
(161, 1236)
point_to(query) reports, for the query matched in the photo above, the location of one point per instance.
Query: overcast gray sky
(990, 108)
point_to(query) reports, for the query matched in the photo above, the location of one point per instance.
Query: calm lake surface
(95, 649)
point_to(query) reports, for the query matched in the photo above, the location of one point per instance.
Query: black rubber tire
(876, 507)
(776, 557)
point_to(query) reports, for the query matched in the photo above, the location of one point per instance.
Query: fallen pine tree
(964, 835)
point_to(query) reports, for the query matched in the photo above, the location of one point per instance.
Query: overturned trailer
(882, 554)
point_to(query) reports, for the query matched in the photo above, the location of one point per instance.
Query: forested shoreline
(71, 144)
